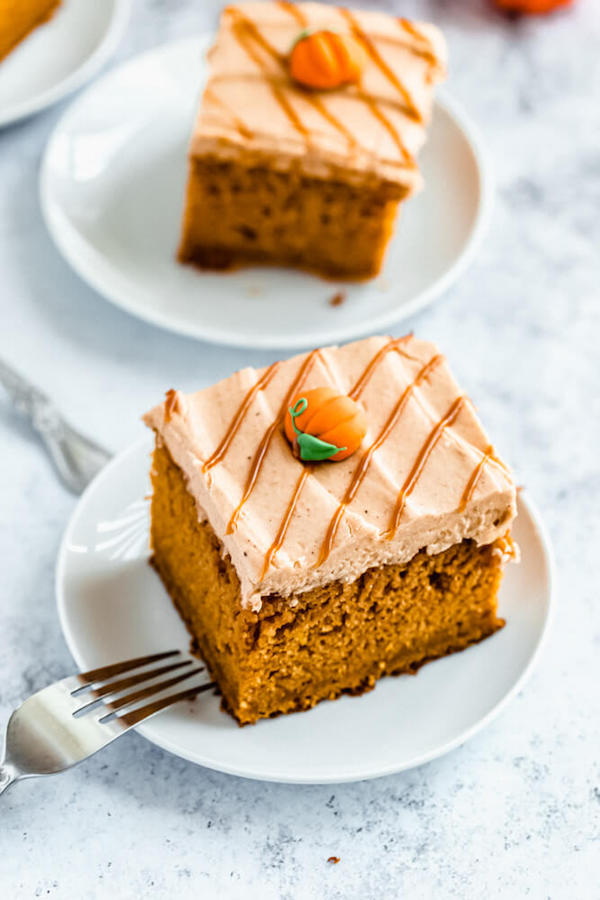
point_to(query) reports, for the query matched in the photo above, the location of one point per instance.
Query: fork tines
(101, 688)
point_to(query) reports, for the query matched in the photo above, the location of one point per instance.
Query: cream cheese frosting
(425, 475)
(252, 108)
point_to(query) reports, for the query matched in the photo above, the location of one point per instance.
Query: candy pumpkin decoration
(323, 60)
(531, 7)
(324, 424)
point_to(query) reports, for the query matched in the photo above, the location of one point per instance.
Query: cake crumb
(338, 298)
(334, 860)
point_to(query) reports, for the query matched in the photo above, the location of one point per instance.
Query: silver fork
(77, 458)
(63, 724)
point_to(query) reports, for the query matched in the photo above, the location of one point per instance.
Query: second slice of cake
(293, 173)
(300, 580)
(18, 19)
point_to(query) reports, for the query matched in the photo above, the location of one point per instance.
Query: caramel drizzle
(475, 476)
(365, 40)
(426, 49)
(241, 127)
(420, 462)
(363, 466)
(293, 10)
(245, 24)
(263, 447)
(239, 417)
(318, 104)
(171, 404)
(381, 117)
(288, 109)
(396, 345)
(245, 28)
(278, 542)
(393, 344)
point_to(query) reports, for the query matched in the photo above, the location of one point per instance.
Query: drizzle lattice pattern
(359, 473)
(293, 101)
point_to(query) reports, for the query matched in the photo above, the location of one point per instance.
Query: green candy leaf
(312, 449)
(307, 446)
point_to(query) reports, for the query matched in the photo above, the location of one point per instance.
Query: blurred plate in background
(112, 192)
(60, 55)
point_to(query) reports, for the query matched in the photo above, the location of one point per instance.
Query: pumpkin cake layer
(302, 580)
(19, 17)
(335, 639)
(237, 215)
(283, 174)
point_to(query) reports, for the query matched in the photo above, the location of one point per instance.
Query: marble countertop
(516, 811)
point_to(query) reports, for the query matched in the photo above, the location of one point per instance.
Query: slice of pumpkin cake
(307, 137)
(330, 519)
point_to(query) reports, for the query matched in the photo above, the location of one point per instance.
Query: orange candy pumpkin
(324, 424)
(323, 60)
(531, 7)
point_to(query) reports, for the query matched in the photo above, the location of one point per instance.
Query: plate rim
(366, 773)
(119, 20)
(220, 336)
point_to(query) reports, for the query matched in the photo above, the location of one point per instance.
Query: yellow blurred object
(19, 17)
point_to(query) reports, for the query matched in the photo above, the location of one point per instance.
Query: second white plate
(112, 191)
(113, 606)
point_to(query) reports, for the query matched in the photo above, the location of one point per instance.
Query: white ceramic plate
(60, 56)
(112, 191)
(112, 606)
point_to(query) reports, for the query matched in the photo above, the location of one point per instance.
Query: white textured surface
(517, 811)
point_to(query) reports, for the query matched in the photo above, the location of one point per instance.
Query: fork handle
(77, 458)
(26, 398)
